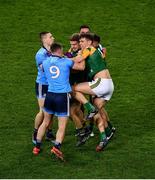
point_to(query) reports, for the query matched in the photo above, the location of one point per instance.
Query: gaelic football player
(76, 111)
(102, 50)
(57, 70)
(41, 86)
(97, 45)
(100, 86)
(96, 40)
(84, 29)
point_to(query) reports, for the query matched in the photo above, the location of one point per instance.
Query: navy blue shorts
(57, 104)
(41, 90)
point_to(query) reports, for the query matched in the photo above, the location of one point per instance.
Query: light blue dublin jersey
(57, 71)
(40, 57)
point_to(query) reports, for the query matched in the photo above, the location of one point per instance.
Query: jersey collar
(55, 56)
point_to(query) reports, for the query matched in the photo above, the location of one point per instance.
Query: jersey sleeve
(85, 53)
(70, 63)
(39, 59)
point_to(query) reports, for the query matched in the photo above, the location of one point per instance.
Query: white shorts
(103, 88)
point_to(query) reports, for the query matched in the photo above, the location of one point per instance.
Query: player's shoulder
(41, 51)
(65, 59)
(89, 49)
(41, 54)
(86, 51)
(48, 60)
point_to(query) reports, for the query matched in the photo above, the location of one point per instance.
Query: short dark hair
(96, 38)
(41, 34)
(88, 36)
(55, 46)
(84, 26)
(75, 37)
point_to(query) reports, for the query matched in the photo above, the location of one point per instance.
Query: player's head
(74, 42)
(46, 38)
(86, 40)
(96, 40)
(57, 49)
(84, 29)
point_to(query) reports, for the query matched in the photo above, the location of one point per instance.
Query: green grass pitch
(127, 29)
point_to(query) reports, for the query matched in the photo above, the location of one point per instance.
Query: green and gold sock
(89, 107)
(102, 135)
(108, 131)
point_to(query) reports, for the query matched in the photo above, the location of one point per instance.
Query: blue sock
(38, 144)
(35, 130)
(57, 145)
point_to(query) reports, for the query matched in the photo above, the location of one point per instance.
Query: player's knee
(99, 105)
(46, 120)
(74, 110)
(96, 117)
(72, 115)
(99, 102)
(46, 123)
(41, 112)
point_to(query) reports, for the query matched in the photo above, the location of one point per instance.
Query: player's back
(57, 70)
